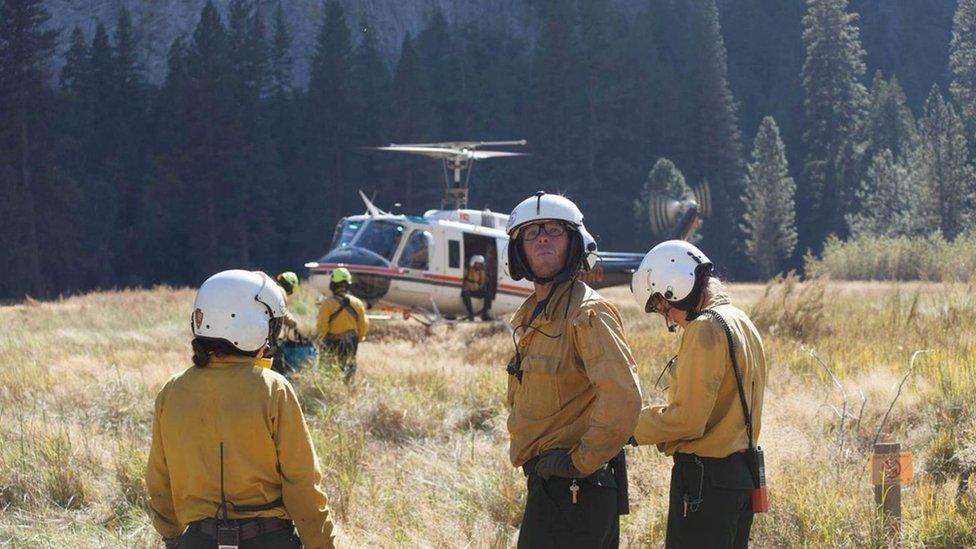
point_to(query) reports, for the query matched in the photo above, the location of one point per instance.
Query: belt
(250, 528)
(692, 458)
(528, 468)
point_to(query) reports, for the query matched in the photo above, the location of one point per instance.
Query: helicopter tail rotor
(678, 218)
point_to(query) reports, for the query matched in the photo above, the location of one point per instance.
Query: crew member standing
(573, 392)
(342, 322)
(711, 422)
(476, 285)
(231, 454)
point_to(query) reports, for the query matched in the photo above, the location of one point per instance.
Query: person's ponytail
(205, 349)
(201, 352)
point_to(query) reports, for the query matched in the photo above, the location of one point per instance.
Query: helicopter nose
(370, 272)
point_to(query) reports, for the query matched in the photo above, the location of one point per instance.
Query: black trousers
(344, 350)
(466, 296)
(710, 502)
(551, 518)
(286, 538)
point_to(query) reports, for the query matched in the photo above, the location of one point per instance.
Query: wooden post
(887, 476)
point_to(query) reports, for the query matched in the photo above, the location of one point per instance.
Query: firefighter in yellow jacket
(711, 422)
(572, 391)
(231, 457)
(342, 322)
(475, 284)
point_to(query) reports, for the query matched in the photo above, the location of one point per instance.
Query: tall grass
(415, 451)
(896, 258)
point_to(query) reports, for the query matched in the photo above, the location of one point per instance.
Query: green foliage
(835, 107)
(108, 180)
(896, 258)
(890, 206)
(942, 171)
(890, 123)
(769, 220)
(962, 60)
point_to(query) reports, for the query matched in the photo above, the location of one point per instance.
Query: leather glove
(171, 543)
(556, 463)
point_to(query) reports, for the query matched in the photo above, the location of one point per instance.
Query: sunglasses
(552, 228)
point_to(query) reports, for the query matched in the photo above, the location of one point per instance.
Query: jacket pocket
(538, 395)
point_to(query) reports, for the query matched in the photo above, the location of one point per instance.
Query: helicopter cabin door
(476, 244)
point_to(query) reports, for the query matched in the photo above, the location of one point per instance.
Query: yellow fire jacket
(345, 321)
(703, 415)
(267, 450)
(579, 389)
(474, 279)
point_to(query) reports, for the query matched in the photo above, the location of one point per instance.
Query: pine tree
(835, 106)
(718, 150)
(962, 61)
(25, 49)
(280, 55)
(890, 123)
(75, 69)
(556, 106)
(889, 204)
(941, 166)
(328, 125)
(437, 51)
(131, 151)
(370, 86)
(413, 118)
(769, 203)
(206, 145)
(171, 211)
(664, 180)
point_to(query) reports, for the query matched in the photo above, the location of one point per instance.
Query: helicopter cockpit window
(345, 231)
(381, 237)
(416, 254)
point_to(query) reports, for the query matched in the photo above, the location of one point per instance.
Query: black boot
(486, 311)
(467, 305)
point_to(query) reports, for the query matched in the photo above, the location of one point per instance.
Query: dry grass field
(415, 452)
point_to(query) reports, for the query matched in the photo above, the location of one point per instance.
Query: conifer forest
(809, 120)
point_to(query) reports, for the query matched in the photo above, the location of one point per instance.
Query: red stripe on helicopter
(359, 268)
(398, 272)
(509, 287)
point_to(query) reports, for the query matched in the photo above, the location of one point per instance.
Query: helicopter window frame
(406, 259)
(454, 254)
(371, 230)
(345, 226)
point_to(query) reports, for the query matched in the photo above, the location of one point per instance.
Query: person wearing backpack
(342, 322)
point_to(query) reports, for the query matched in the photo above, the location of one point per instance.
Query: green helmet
(341, 275)
(288, 280)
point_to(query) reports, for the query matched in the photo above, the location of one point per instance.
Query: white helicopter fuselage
(417, 264)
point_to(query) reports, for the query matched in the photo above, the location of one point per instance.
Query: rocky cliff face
(159, 22)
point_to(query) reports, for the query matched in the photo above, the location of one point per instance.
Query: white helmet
(475, 259)
(674, 269)
(544, 206)
(239, 307)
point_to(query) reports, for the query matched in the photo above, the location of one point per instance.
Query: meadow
(415, 451)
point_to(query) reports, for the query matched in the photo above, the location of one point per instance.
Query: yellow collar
(555, 295)
(229, 360)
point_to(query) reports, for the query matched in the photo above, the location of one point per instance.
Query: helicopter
(415, 264)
